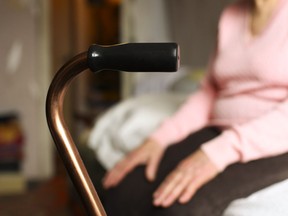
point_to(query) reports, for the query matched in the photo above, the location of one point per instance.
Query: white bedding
(271, 201)
(126, 125)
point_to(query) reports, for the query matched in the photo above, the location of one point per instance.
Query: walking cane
(140, 57)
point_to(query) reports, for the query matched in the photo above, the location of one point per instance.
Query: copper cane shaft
(62, 138)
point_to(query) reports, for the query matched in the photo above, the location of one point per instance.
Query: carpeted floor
(43, 199)
(55, 197)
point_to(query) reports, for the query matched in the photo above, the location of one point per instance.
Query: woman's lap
(133, 196)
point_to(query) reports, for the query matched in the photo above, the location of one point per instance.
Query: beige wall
(24, 77)
(193, 25)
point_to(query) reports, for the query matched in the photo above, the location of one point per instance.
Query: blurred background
(39, 36)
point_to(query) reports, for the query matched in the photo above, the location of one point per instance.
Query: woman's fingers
(111, 178)
(167, 188)
(188, 194)
(149, 153)
(152, 164)
(191, 174)
(191, 189)
(177, 190)
(115, 175)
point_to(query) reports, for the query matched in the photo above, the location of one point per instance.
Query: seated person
(229, 139)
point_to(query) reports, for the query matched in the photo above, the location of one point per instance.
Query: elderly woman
(230, 138)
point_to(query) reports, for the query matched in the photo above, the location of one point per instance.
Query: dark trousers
(133, 196)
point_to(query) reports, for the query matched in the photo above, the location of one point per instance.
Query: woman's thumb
(152, 167)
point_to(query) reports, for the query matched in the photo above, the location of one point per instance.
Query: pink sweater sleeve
(192, 115)
(262, 137)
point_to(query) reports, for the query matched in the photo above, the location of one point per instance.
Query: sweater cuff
(221, 150)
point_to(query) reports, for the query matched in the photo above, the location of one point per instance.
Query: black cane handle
(135, 57)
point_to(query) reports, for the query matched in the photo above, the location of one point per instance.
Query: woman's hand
(182, 183)
(149, 153)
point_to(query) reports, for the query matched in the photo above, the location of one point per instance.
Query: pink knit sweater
(245, 92)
